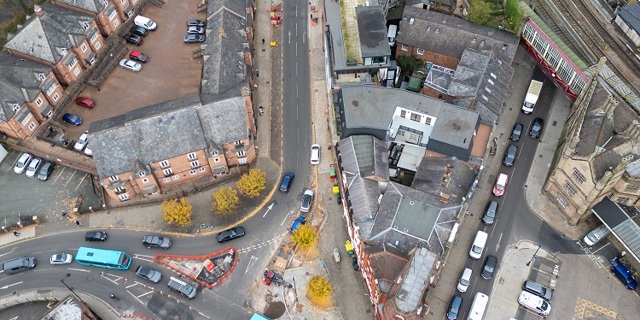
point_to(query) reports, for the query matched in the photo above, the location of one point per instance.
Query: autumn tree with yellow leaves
(305, 236)
(225, 200)
(252, 183)
(177, 212)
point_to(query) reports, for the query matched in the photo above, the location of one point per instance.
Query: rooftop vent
(437, 30)
(411, 21)
(504, 47)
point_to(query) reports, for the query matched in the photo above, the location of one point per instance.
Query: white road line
(83, 270)
(285, 217)
(59, 174)
(10, 252)
(73, 174)
(134, 284)
(80, 183)
(606, 245)
(144, 294)
(136, 298)
(10, 285)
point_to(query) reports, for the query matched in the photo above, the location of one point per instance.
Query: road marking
(587, 310)
(252, 261)
(268, 209)
(10, 285)
(80, 183)
(12, 250)
(82, 270)
(499, 239)
(73, 174)
(135, 297)
(606, 245)
(59, 174)
(286, 217)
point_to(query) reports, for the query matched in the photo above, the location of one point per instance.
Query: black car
(536, 128)
(133, 39)
(490, 212)
(138, 30)
(95, 236)
(489, 267)
(510, 155)
(156, 241)
(194, 38)
(149, 274)
(230, 234)
(286, 182)
(195, 23)
(45, 171)
(517, 131)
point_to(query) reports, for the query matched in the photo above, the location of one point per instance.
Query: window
(142, 173)
(192, 156)
(403, 113)
(76, 71)
(166, 179)
(562, 201)
(50, 89)
(145, 180)
(94, 37)
(214, 153)
(420, 51)
(192, 172)
(16, 107)
(242, 161)
(167, 172)
(41, 76)
(98, 45)
(416, 117)
(216, 160)
(56, 97)
(195, 164)
(428, 122)
(632, 188)
(238, 142)
(241, 153)
(570, 189)
(202, 169)
(115, 22)
(164, 163)
(175, 177)
(39, 102)
(623, 200)
(114, 178)
(578, 176)
(72, 63)
(83, 48)
(49, 114)
(119, 190)
(123, 197)
(405, 47)
(32, 126)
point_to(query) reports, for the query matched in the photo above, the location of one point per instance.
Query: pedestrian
(77, 222)
(263, 41)
(16, 233)
(257, 73)
(261, 110)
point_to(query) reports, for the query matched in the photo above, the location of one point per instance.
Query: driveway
(171, 72)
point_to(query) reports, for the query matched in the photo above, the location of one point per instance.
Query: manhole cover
(275, 310)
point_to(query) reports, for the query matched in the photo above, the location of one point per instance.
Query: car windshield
(499, 187)
(476, 249)
(57, 257)
(464, 282)
(544, 306)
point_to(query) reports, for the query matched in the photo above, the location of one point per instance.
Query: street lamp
(84, 312)
(533, 258)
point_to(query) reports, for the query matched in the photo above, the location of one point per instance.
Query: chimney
(38, 10)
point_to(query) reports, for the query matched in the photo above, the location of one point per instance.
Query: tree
(513, 14)
(479, 12)
(409, 64)
(251, 184)
(319, 286)
(225, 200)
(305, 236)
(177, 211)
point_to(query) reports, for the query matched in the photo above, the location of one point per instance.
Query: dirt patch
(275, 310)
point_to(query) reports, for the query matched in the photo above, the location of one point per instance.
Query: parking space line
(81, 180)
(73, 174)
(606, 245)
(584, 309)
(59, 173)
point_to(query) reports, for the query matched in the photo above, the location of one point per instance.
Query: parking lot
(47, 199)
(170, 73)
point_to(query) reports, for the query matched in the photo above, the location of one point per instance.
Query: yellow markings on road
(589, 310)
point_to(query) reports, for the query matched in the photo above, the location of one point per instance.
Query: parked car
(88, 151)
(45, 171)
(148, 274)
(184, 288)
(82, 142)
(510, 155)
(538, 289)
(454, 308)
(465, 280)
(286, 182)
(139, 31)
(195, 30)
(22, 163)
(145, 22)
(156, 241)
(534, 303)
(195, 22)
(130, 64)
(72, 119)
(300, 220)
(85, 102)
(138, 56)
(33, 167)
(501, 185)
(536, 128)
(230, 234)
(490, 212)
(627, 278)
(133, 39)
(516, 132)
(307, 200)
(61, 258)
(194, 38)
(95, 236)
(315, 154)
(489, 267)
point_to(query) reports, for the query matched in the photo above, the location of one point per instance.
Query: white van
(478, 245)
(465, 280)
(145, 22)
(534, 303)
(478, 307)
(596, 235)
(391, 34)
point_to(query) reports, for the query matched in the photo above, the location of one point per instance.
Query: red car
(85, 102)
(138, 56)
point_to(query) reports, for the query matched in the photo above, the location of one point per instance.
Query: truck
(532, 96)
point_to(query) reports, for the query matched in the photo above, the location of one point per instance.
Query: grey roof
(50, 36)
(450, 35)
(630, 14)
(481, 82)
(365, 156)
(620, 219)
(95, 6)
(633, 169)
(224, 121)
(438, 176)
(411, 157)
(224, 72)
(415, 281)
(372, 32)
(19, 82)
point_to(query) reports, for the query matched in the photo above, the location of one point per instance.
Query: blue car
(286, 181)
(623, 274)
(296, 224)
(454, 308)
(72, 119)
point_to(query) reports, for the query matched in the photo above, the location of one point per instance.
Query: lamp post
(533, 258)
(89, 315)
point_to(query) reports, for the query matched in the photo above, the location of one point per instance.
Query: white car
(315, 154)
(88, 151)
(130, 64)
(61, 258)
(22, 163)
(82, 142)
(33, 167)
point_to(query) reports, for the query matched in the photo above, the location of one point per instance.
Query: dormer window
(214, 153)
(41, 76)
(238, 143)
(113, 178)
(142, 173)
(16, 107)
(192, 156)
(241, 153)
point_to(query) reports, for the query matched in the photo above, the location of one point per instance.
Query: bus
(478, 306)
(101, 258)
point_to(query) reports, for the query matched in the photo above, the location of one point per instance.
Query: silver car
(33, 167)
(130, 64)
(61, 258)
(307, 200)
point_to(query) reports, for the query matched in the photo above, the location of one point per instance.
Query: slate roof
(224, 121)
(224, 71)
(372, 31)
(450, 35)
(19, 82)
(49, 36)
(95, 6)
(386, 262)
(432, 171)
(630, 14)
(415, 281)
